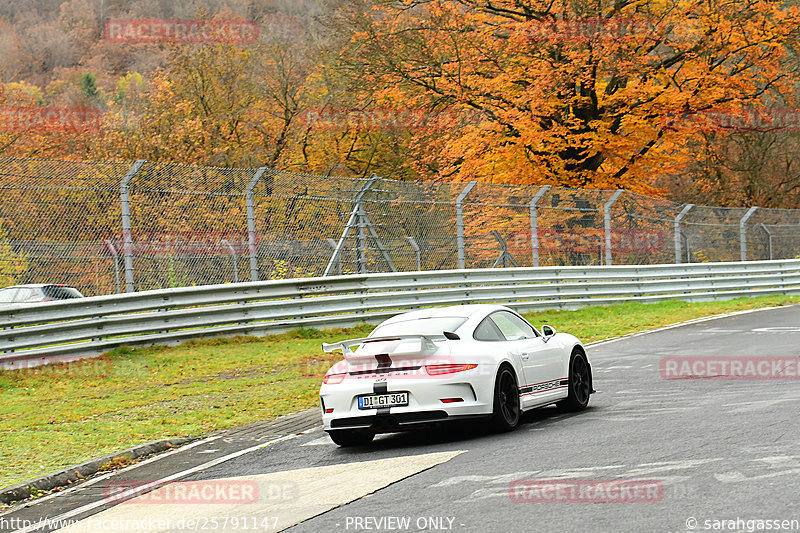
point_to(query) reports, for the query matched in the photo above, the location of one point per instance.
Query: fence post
(417, 252)
(361, 249)
(234, 259)
(607, 223)
(252, 245)
(113, 251)
(460, 222)
(743, 232)
(683, 213)
(332, 244)
(505, 257)
(535, 225)
(769, 240)
(127, 238)
(355, 219)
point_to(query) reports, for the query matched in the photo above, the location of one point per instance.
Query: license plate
(377, 401)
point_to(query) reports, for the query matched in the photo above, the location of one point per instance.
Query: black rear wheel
(352, 437)
(506, 412)
(580, 384)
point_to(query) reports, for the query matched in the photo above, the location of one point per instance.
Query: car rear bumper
(465, 398)
(390, 423)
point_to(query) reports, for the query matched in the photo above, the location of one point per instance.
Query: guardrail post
(113, 251)
(417, 253)
(607, 223)
(127, 238)
(683, 213)
(355, 218)
(252, 245)
(535, 225)
(460, 222)
(769, 240)
(743, 232)
(234, 259)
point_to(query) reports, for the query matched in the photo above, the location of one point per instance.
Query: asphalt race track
(694, 455)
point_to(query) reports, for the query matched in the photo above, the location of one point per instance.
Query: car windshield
(419, 326)
(56, 292)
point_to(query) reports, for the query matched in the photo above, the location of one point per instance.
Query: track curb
(85, 470)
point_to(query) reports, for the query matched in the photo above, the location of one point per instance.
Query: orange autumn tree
(35, 123)
(574, 94)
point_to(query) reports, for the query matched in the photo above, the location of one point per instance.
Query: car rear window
(419, 326)
(55, 292)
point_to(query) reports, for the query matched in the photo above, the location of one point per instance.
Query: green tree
(88, 85)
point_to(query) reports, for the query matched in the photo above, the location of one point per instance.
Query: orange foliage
(571, 94)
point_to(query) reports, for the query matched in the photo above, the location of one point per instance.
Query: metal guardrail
(45, 332)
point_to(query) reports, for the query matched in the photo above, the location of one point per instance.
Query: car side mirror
(548, 331)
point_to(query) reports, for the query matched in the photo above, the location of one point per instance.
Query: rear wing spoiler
(344, 346)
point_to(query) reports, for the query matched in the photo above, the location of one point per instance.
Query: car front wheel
(580, 384)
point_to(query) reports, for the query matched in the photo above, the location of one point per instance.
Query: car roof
(465, 311)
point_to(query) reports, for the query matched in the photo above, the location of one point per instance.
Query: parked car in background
(40, 292)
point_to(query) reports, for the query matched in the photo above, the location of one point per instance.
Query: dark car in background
(34, 293)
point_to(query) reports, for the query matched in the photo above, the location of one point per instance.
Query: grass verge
(60, 415)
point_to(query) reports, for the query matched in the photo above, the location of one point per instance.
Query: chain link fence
(116, 227)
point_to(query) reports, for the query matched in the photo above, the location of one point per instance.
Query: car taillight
(333, 379)
(438, 370)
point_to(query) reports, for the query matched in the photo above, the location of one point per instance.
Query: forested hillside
(695, 101)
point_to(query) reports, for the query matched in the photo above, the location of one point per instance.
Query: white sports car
(435, 365)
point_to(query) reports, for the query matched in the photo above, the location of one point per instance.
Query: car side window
(513, 327)
(7, 296)
(487, 331)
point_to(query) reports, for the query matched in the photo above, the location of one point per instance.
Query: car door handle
(524, 356)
